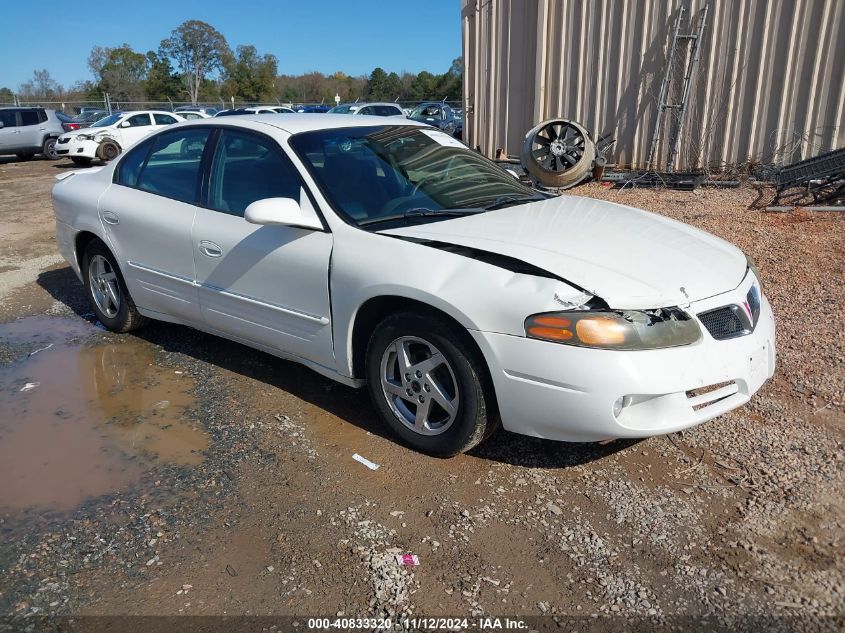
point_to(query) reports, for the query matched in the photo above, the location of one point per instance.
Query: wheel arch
(376, 308)
(81, 242)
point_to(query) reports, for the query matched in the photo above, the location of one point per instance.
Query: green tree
(377, 85)
(162, 83)
(424, 86)
(120, 71)
(6, 95)
(198, 50)
(249, 76)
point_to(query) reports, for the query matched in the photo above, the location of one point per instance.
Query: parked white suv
(109, 136)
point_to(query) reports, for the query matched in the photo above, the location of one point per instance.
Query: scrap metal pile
(816, 180)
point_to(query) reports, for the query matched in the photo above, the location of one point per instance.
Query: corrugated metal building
(769, 85)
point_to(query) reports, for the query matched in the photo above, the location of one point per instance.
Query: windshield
(343, 109)
(424, 111)
(109, 120)
(384, 173)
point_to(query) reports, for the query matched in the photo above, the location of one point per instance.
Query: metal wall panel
(769, 85)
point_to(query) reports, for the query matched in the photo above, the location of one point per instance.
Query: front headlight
(84, 137)
(622, 330)
(753, 268)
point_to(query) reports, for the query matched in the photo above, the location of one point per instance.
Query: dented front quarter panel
(480, 296)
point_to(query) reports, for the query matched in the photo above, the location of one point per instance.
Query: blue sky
(325, 35)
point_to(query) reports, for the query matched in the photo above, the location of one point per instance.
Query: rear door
(264, 284)
(32, 128)
(148, 213)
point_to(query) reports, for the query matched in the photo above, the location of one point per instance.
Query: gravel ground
(741, 520)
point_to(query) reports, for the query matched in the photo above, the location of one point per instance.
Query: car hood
(631, 258)
(91, 131)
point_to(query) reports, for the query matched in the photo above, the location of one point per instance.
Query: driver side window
(138, 120)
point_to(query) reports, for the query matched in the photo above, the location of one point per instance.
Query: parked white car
(109, 136)
(392, 256)
(369, 109)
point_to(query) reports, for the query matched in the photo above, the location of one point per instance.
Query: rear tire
(81, 161)
(49, 149)
(451, 371)
(24, 156)
(107, 291)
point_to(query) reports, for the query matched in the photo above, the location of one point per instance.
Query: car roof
(303, 122)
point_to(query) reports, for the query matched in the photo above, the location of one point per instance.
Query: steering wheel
(422, 180)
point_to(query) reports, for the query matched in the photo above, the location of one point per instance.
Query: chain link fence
(106, 104)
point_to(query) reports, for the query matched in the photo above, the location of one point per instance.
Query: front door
(148, 213)
(9, 131)
(133, 128)
(264, 284)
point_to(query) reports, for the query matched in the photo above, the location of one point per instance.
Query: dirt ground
(168, 472)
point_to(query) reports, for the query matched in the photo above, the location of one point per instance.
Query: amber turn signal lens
(551, 321)
(600, 330)
(550, 333)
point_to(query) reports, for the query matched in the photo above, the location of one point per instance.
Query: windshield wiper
(508, 201)
(420, 212)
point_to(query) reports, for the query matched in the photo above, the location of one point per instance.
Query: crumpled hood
(631, 258)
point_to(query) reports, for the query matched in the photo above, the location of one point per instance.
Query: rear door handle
(110, 218)
(210, 249)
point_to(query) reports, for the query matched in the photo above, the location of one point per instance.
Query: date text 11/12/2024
(418, 624)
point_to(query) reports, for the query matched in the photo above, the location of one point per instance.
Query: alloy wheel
(419, 385)
(104, 286)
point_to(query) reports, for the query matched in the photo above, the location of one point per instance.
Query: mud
(83, 419)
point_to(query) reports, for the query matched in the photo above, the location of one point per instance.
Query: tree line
(195, 63)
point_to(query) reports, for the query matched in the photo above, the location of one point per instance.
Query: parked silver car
(26, 132)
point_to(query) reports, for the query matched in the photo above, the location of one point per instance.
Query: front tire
(429, 384)
(49, 149)
(108, 150)
(107, 291)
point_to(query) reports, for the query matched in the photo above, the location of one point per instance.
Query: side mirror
(282, 212)
(2, 125)
(124, 124)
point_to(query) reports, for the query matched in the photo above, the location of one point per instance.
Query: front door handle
(210, 249)
(110, 218)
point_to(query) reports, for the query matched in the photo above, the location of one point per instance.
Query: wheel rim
(110, 151)
(104, 287)
(557, 147)
(51, 149)
(419, 385)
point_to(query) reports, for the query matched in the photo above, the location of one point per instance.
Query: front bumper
(78, 148)
(567, 393)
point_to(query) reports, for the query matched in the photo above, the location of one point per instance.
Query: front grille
(64, 140)
(723, 323)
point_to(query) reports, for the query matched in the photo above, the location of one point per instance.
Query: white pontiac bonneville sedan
(122, 129)
(388, 254)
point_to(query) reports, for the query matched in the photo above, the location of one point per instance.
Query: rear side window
(29, 117)
(173, 166)
(131, 164)
(386, 110)
(247, 168)
(163, 119)
(138, 120)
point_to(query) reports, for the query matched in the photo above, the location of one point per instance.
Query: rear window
(130, 166)
(30, 117)
(173, 167)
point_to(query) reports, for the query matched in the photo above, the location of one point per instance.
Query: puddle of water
(81, 420)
